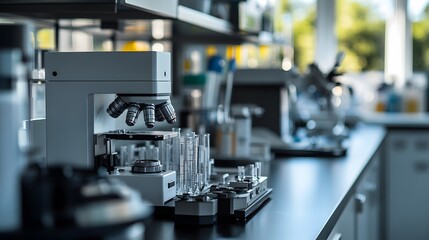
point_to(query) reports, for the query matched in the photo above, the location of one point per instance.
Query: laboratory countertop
(309, 195)
(396, 120)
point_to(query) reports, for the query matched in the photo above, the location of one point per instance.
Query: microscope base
(157, 188)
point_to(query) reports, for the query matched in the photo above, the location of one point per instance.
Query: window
(419, 16)
(361, 34)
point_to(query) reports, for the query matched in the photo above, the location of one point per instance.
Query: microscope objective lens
(132, 114)
(159, 117)
(168, 112)
(149, 115)
(117, 107)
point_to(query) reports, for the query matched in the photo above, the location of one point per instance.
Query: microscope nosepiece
(132, 114)
(168, 112)
(117, 107)
(149, 115)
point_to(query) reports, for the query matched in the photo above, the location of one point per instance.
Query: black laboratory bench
(310, 195)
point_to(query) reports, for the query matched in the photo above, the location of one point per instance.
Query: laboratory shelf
(72, 9)
(203, 21)
(197, 27)
(189, 25)
(165, 8)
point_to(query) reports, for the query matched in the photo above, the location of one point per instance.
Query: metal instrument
(234, 199)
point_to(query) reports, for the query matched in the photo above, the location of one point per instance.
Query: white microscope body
(141, 82)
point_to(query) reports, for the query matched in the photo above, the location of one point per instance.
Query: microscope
(79, 129)
(323, 104)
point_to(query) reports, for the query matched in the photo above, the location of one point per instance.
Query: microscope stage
(144, 135)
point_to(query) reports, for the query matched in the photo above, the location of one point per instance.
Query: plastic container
(412, 99)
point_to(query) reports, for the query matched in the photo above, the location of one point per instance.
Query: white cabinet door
(407, 154)
(367, 200)
(345, 226)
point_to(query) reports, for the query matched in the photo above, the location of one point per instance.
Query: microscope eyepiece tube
(132, 114)
(117, 107)
(168, 112)
(149, 115)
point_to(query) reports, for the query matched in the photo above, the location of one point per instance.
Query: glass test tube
(195, 170)
(191, 163)
(142, 153)
(149, 151)
(206, 172)
(240, 173)
(204, 157)
(182, 165)
(200, 183)
(155, 153)
(131, 150)
(258, 166)
(162, 147)
(152, 153)
(123, 155)
(210, 167)
(176, 160)
(187, 163)
(167, 153)
(252, 171)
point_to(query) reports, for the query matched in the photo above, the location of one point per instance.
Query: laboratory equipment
(228, 88)
(324, 102)
(15, 56)
(191, 158)
(331, 100)
(230, 199)
(80, 85)
(202, 111)
(281, 93)
(146, 175)
(50, 203)
(204, 159)
(235, 142)
(77, 198)
(192, 162)
(196, 210)
(37, 85)
(242, 116)
(240, 197)
(58, 200)
(273, 91)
